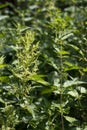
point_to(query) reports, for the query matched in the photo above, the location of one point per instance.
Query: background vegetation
(43, 65)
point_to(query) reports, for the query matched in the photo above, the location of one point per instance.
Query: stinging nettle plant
(18, 106)
(26, 63)
(60, 31)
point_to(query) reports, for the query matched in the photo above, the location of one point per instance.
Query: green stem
(61, 87)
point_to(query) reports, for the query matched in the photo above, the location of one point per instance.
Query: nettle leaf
(70, 119)
(77, 128)
(85, 127)
(24, 29)
(29, 108)
(67, 36)
(2, 101)
(75, 81)
(4, 17)
(4, 78)
(61, 52)
(53, 64)
(3, 5)
(56, 82)
(39, 79)
(76, 49)
(71, 66)
(68, 64)
(2, 65)
(1, 60)
(82, 90)
(49, 90)
(73, 93)
(85, 69)
(8, 109)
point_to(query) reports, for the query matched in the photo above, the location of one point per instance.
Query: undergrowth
(43, 73)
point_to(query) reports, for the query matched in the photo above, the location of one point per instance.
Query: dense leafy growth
(43, 65)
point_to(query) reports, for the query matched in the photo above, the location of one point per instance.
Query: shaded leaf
(49, 90)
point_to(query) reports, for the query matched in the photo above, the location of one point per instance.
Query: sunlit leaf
(73, 93)
(4, 78)
(68, 63)
(67, 36)
(29, 108)
(39, 79)
(62, 52)
(75, 81)
(2, 65)
(70, 119)
(85, 69)
(1, 100)
(82, 90)
(77, 49)
(3, 17)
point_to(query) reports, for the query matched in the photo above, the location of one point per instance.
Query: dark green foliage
(43, 65)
